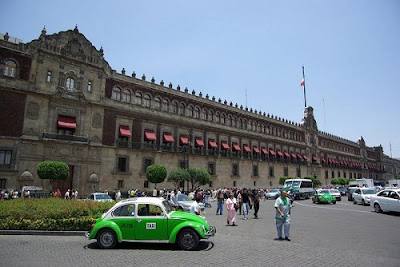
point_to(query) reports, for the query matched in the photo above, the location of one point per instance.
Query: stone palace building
(61, 100)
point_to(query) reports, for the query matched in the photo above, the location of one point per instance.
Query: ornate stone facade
(108, 127)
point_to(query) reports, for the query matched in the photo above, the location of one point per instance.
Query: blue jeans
(286, 225)
(246, 210)
(219, 207)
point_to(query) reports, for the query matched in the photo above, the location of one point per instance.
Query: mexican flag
(302, 83)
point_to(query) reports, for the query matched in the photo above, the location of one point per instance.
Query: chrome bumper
(212, 231)
(87, 235)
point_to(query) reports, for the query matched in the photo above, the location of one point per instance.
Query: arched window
(250, 126)
(157, 103)
(197, 113)
(138, 98)
(182, 109)
(205, 114)
(210, 115)
(234, 122)
(116, 93)
(10, 68)
(241, 123)
(175, 107)
(230, 120)
(217, 117)
(165, 105)
(190, 111)
(147, 101)
(70, 84)
(223, 119)
(126, 97)
(245, 124)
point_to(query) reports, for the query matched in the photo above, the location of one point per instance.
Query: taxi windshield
(324, 192)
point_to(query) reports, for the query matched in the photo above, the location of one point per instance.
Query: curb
(34, 232)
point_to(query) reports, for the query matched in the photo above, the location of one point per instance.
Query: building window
(326, 175)
(298, 172)
(157, 103)
(223, 119)
(210, 184)
(333, 174)
(146, 163)
(146, 184)
(122, 164)
(165, 105)
(182, 184)
(255, 170)
(89, 86)
(138, 98)
(126, 97)
(344, 175)
(182, 164)
(48, 77)
(235, 169)
(270, 183)
(254, 183)
(120, 184)
(182, 109)
(351, 175)
(197, 113)
(217, 117)
(338, 174)
(3, 183)
(147, 101)
(271, 171)
(5, 157)
(211, 168)
(210, 115)
(10, 68)
(116, 93)
(190, 111)
(234, 183)
(175, 107)
(285, 171)
(70, 84)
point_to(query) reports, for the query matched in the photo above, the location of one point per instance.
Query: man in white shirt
(195, 208)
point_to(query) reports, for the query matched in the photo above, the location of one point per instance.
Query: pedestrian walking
(255, 197)
(282, 216)
(239, 201)
(220, 202)
(246, 203)
(231, 208)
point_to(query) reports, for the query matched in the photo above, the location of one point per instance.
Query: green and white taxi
(149, 219)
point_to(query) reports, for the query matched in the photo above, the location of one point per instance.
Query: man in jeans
(282, 207)
(220, 204)
(246, 203)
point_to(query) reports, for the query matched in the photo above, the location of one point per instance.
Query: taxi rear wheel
(187, 239)
(107, 239)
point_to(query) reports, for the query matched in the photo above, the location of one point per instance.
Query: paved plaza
(322, 235)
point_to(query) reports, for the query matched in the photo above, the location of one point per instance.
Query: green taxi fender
(194, 225)
(106, 224)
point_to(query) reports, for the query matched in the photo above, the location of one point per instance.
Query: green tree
(316, 182)
(198, 177)
(283, 179)
(343, 181)
(53, 170)
(335, 181)
(352, 180)
(156, 174)
(177, 176)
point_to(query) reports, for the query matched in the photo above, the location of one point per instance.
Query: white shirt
(194, 208)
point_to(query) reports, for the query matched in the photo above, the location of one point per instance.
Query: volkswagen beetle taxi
(323, 196)
(149, 219)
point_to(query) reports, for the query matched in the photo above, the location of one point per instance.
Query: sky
(250, 53)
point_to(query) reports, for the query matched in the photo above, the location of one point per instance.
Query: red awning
(272, 152)
(149, 135)
(286, 154)
(124, 131)
(323, 160)
(236, 147)
(184, 140)
(256, 150)
(314, 158)
(212, 144)
(246, 148)
(330, 161)
(264, 151)
(66, 122)
(305, 157)
(199, 142)
(168, 138)
(225, 145)
(279, 153)
(299, 156)
(293, 155)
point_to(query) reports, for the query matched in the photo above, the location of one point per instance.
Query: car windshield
(323, 191)
(334, 191)
(183, 197)
(296, 183)
(168, 207)
(274, 190)
(368, 191)
(102, 196)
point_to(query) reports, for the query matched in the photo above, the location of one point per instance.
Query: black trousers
(256, 208)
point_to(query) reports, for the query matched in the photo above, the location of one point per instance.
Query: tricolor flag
(302, 83)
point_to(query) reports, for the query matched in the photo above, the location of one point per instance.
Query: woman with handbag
(231, 207)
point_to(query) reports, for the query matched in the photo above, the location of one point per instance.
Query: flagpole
(304, 86)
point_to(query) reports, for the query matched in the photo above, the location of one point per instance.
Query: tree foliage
(54, 170)
(198, 177)
(343, 181)
(335, 181)
(156, 174)
(177, 176)
(283, 179)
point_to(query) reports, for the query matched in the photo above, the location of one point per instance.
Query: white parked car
(336, 194)
(386, 200)
(363, 196)
(99, 197)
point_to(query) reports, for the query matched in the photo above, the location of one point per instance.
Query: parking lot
(322, 235)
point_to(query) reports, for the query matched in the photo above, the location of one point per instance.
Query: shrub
(177, 176)
(156, 174)
(54, 170)
(198, 177)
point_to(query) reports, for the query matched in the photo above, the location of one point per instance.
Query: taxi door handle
(139, 220)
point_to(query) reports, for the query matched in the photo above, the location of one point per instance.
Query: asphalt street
(322, 235)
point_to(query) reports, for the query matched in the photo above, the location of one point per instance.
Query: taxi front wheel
(107, 239)
(187, 239)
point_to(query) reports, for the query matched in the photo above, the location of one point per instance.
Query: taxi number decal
(151, 226)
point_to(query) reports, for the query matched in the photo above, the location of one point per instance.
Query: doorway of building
(64, 185)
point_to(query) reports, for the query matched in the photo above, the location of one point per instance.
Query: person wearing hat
(195, 208)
